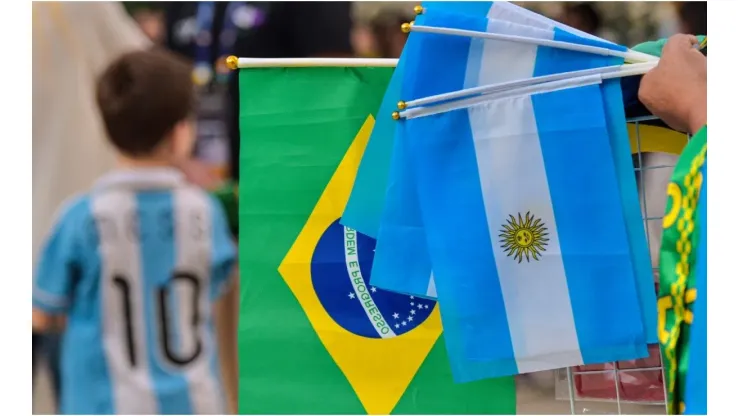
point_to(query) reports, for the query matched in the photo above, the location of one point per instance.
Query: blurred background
(375, 23)
(362, 29)
(82, 38)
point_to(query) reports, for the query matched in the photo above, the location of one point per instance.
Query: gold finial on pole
(396, 115)
(418, 9)
(402, 105)
(406, 27)
(232, 62)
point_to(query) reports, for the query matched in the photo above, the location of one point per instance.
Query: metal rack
(568, 376)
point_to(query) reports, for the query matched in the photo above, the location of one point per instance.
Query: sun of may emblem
(524, 238)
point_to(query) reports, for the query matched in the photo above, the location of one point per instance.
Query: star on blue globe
(340, 272)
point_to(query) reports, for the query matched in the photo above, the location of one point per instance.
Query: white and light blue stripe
(575, 305)
(475, 167)
(402, 262)
(137, 224)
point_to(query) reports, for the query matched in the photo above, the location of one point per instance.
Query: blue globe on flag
(340, 273)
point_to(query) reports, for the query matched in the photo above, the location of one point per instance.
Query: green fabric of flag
(314, 337)
(678, 250)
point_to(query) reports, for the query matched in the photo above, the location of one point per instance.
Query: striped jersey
(136, 265)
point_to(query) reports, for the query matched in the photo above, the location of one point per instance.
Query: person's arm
(225, 294)
(698, 117)
(676, 89)
(58, 269)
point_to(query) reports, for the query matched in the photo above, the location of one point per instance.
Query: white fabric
(193, 254)
(527, 297)
(500, 158)
(506, 11)
(72, 44)
(131, 385)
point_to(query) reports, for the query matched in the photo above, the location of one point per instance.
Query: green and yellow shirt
(677, 267)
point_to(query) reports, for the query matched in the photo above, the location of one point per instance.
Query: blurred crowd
(345, 29)
(375, 25)
(83, 38)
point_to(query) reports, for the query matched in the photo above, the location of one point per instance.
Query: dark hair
(588, 14)
(142, 95)
(694, 16)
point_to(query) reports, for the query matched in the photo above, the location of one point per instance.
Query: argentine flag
(402, 262)
(368, 197)
(521, 209)
(367, 200)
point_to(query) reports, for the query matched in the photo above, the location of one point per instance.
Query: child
(137, 265)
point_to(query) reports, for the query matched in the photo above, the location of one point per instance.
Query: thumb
(693, 40)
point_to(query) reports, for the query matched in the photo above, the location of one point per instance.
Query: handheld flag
(506, 212)
(468, 246)
(401, 239)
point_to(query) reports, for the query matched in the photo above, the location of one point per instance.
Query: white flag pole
(528, 90)
(637, 56)
(491, 88)
(596, 50)
(539, 88)
(239, 63)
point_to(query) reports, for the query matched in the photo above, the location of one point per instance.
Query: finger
(681, 41)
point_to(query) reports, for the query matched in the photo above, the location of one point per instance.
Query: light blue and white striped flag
(402, 263)
(368, 197)
(367, 200)
(521, 210)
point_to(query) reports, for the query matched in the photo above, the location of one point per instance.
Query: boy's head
(147, 100)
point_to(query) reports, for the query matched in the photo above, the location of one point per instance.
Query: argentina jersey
(136, 266)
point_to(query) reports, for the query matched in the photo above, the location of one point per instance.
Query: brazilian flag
(314, 336)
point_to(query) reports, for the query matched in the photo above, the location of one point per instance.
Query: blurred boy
(137, 264)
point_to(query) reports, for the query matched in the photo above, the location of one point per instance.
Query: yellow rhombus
(378, 369)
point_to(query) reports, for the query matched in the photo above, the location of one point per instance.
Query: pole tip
(232, 62)
(418, 9)
(396, 115)
(402, 105)
(406, 27)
